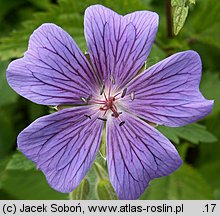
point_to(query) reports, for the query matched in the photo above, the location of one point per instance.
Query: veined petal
(168, 92)
(63, 145)
(53, 71)
(137, 153)
(118, 46)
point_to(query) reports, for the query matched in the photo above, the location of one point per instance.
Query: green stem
(101, 173)
(169, 19)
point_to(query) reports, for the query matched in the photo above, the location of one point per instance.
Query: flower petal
(63, 145)
(137, 153)
(168, 92)
(53, 71)
(118, 46)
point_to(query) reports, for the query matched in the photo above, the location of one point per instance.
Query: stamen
(97, 101)
(124, 92)
(88, 116)
(121, 123)
(83, 99)
(105, 96)
(115, 96)
(102, 89)
(89, 98)
(112, 79)
(132, 95)
(119, 113)
(103, 119)
(55, 107)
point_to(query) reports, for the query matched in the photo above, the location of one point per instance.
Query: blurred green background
(195, 25)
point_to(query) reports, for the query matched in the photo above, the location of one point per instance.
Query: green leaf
(209, 171)
(156, 55)
(203, 33)
(43, 4)
(19, 167)
(100, 171)
(105, 190)
(183, 150)
(174, 3)
(5, 196)
(22, 181)
(64, 14)
(191, 1)
(210, 35)
(169, 133)
(180, 10)
(211, 152)
(7, 132)
(206, 15)
(29, 185)
(92, 179)
(81, 192)
(210, 87)
(35, 111)
(16, 44)
(7, 95)
(208, 162)
(3, 164)
(185, 183)
(102, 149)
(182, 2)
(180, 13)
(20, 162)
(6, 6)
(194, 133)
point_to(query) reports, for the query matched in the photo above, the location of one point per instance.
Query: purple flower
(106, 91)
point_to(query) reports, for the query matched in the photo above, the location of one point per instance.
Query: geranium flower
(106, 91)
